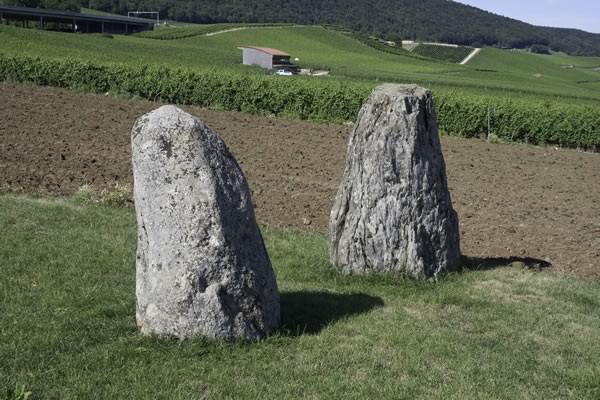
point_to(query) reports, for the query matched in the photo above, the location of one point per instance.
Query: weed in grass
(493, 138)
(85, 195)
(120, 195)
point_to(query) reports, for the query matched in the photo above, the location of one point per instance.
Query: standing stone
(202, 266)
(393, 211)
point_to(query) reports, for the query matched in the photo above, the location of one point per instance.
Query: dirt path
(470, 56)
(227, 30)
(512, 200)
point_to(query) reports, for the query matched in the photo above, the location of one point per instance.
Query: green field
(543, 71)
(67, 326)
(493, 72)
(513, 96)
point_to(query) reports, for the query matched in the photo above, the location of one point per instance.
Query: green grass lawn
(67, 326)
(493, 72)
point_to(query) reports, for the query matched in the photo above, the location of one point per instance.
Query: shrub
(539, 49)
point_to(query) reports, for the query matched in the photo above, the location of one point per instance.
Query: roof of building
(44, 12)
(268, 50)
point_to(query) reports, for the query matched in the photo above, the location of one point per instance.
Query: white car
(283, 72)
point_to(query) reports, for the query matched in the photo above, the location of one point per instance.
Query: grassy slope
(541, 70)
(319, 48)
(67, 327)
(317, 44)
(119, 49)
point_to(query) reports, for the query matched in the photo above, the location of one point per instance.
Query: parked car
(283, 72)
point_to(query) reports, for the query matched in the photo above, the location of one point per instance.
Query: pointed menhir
(202, 267)
(393, 211)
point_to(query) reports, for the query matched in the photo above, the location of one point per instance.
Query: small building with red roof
(267, 57)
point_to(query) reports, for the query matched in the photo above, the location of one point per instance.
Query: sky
(580, 14)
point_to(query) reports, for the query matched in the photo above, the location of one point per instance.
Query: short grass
(67, 326)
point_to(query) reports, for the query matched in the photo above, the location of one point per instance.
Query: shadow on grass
(485, 264)
(307, 313)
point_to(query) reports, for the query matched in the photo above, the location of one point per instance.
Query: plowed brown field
(512, 200)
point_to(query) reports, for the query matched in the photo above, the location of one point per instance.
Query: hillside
(320, 48)
(431, 20)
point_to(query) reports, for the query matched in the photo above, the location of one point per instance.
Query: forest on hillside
(431, 20)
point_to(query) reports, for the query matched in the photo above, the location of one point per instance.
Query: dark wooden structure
(78, 22)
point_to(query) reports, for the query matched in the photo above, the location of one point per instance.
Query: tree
(539, 49)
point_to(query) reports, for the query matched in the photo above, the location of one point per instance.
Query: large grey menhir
(393, 211)
(202, 266)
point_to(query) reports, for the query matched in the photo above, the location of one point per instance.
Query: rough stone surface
(393, 211)
(202, 267)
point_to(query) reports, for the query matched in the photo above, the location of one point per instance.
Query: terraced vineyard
(317, 48)
(373, 42)
(445, 53)
(494, 96)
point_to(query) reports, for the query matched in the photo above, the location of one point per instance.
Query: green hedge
(459, 114)
(299, 98)
(519, 120)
